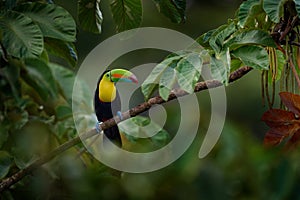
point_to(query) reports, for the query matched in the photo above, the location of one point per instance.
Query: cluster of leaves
(36, 91)
(127, 14)
(245, 40)
(142, 135)
(36, 116)
(36, 113)
(32, 30)
(284, 124)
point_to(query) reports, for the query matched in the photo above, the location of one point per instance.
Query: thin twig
(8, 182)
(294, 71)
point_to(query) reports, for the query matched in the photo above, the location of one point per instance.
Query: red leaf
(276, 134)
(295, 140)
(277, 117)
(273, 137)
(283, 124)
(291, 101)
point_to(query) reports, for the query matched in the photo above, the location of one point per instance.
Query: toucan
(107, 100)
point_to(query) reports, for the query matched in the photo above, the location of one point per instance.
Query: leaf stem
(294, 70)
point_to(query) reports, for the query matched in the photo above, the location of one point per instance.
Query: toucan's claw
(119, 113)
(98, 127)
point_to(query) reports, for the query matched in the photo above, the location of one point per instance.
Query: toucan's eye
(107, 75)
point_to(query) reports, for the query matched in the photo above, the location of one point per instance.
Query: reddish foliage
(291, 101)
(283, 124)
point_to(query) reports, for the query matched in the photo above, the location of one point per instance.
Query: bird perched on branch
(107, 100)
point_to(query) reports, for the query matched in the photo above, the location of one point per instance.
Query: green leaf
(54, 21)
(63, 112)
(203, 40)
(32, 141)
(250, 37)
(220, 66)
(235, 64)
(5, 163)
(152, 80)
(245, 13)
(12, 74)
(65, 50)
(188, 71)
(167, 82)
(253, 56)
(90, 16)
(40, 78)
(173, 9)
(142, 127)
(127, 14)
(274, 9)
(21, 37)
(184, 67)
(220, 35)
(297, 6)
(65, 79)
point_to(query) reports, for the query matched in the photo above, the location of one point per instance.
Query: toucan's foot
(98, 128)
(119, 113)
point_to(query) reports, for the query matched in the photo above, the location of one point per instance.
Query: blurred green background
(239, 167)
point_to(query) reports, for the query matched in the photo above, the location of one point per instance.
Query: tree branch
(7, 182)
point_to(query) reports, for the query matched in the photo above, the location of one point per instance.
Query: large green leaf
(188, 71)
(140, 127)
(63, 112)
(65, 50)
(203, 40)
(90, 16)
(152, 80)
(167, 82)
(21, 37)
(40, 78)
(245, 13)
(220, 66)
(220, 35)
(253, 56)
(65, 79)
(184, 67)
(54, 21)
(274, 9)
(173, 9)
(250, 37)
(5, 163)
(127, 14)
(33, 140)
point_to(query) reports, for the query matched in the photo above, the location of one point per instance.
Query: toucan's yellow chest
(107, 91)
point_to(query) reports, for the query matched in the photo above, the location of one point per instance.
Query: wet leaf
(173, 9)
(244, 13)
(53, 20)
(21, 37)
(254, 56)
(285, 125)
(127, 14)
(291, 101)
(277, 117)
(90, 15)
(274, 9)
